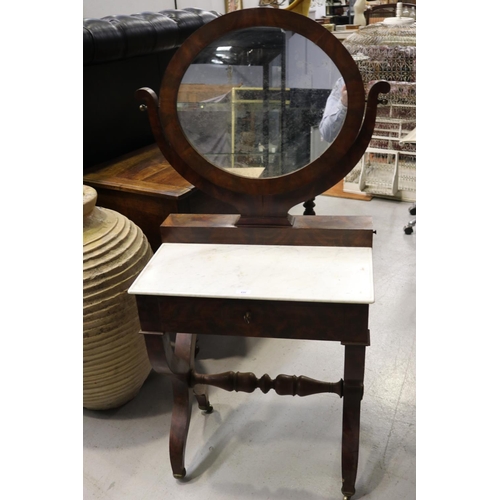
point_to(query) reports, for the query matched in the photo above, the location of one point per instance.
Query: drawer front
(346, 323)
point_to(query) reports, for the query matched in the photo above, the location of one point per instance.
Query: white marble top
(259, 272)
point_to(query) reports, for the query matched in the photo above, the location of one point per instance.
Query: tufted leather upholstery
(121, 54)
(123, 36)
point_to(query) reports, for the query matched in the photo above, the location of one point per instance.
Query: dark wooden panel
(354, 231)
(346, 323)
(149, 313)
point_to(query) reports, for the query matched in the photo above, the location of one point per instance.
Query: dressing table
(259, 272)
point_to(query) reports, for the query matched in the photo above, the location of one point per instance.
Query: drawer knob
(247, 317)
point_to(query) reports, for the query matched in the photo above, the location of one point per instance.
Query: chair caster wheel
(207, 410)
(181, 475)
(408, 229)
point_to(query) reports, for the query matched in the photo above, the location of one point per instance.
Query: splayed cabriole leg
(179, 426)
(181, 412)
(354, 368)
(164, 360)
(178, 362)
(185, 350)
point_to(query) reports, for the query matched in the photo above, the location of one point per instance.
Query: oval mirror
(261, 102)
(241, 106)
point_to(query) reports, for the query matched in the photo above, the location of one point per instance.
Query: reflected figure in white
(335, 112)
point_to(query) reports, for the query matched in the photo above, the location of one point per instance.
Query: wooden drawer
(346, 323)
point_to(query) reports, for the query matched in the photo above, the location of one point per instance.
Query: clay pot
(115, 360)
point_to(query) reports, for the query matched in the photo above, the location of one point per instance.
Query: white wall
(101, 8)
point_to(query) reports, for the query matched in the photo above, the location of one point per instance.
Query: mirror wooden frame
(263, 201)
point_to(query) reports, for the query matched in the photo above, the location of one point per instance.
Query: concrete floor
(264, 446)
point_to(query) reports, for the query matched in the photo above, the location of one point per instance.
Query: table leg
(354, 368)
(178, 363)
(185, 347)
(185, 352)
(179, 426)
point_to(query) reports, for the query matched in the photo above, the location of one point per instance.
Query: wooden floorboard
(338, 191)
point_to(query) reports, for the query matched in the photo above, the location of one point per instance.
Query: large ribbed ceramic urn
(115, 360)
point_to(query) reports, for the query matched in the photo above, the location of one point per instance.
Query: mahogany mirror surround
(260, 200)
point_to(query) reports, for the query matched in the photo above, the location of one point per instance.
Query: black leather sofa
(121, 54)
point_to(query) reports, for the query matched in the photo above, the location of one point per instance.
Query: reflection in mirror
(261, 102)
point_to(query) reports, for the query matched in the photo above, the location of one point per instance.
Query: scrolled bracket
(283, 385)
(150, 104)
(354, 154)
(373, 100)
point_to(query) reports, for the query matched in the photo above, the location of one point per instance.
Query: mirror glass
(261, 102)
